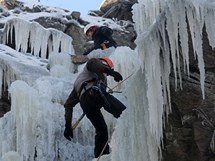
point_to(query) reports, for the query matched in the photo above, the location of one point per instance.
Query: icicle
(170, 26)
(56, 39)
(1, 78)
(61, 41)
(143, 24)
(22, 29)
(154, 91)
(183, 34)
(8, 75)
(52, 39)
(196, 27)
(37, 44)
(210, 23)
(166, 67)
(191, 21)
(66, 45)
(199, 53)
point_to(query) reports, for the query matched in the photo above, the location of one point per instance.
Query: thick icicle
(38, 45)
(169, 30)
(28, 35)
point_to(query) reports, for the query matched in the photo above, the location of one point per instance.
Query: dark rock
(186, 100)
(75, 15)
(17, 11)
(5, 14)
(52, 22)
(107, 5)
(120, 10)
(79, 38)
(96, 13)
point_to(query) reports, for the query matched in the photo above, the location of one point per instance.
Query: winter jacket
(94, 70)
(103, 35)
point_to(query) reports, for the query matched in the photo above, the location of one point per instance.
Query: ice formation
(169, 29)
(42, 42)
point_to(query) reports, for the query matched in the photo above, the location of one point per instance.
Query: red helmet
(107, 61)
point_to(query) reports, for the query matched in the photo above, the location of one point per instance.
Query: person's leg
(101, 136)
(116, 107)
(91, 107)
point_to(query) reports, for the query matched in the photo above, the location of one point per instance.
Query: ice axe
(78, 121)
(110, 91)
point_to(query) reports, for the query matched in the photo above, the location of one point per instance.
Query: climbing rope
(103, 150)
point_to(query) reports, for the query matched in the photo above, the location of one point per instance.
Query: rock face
(121, 10)
(180, 143)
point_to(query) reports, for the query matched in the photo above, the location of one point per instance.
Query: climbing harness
(111, 90)
(98, 88)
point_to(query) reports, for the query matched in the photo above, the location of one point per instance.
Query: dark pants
(91, 103)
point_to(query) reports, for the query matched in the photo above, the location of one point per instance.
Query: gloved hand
(68, 133)
(117, 76)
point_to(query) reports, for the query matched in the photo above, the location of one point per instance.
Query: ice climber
(90, 90)
(102, 38)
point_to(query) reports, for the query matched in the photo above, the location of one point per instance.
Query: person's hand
(68, 133)
(117, 76)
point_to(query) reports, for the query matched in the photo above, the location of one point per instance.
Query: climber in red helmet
(90, 90)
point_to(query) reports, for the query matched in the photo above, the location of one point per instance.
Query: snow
(112, 23)
(18, 66)
(11, 156)
(49, 12)
(33, 129)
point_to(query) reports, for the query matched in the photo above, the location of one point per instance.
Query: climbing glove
(68, 133)
(117, 76)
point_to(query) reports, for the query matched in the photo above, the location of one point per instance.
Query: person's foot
(106, 151)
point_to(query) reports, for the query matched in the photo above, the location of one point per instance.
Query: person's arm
(96, 66)
(106, 31)
(70, 103)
